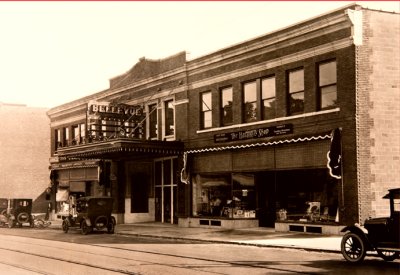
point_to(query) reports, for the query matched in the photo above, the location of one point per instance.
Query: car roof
(395, 193)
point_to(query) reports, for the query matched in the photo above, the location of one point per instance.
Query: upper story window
(268, 97)
(82, 132)
(152, 121)
(226, 106)
(57, 137)
(327, 85)
(65, 136)
(250, 101)
(75, 134)
(206, 110)
(296, 92)
(169, 118)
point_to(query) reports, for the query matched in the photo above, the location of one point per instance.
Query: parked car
(378, 234)
(91, 213)
(19, 212)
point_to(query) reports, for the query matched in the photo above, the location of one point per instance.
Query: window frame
(289, 94)
(223, 91)
(150, 113)
(256, 102)
(165, 102)
(329, 85)
(264, 99)
(208, 111)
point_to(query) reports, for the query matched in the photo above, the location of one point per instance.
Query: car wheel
(85, 228)
(110, 228)
(388, 255)
(23, 217)
(353, 248)
(65, 226)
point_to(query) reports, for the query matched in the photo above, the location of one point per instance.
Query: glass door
(165, 191)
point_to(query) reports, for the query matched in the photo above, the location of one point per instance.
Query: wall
(24, 151)
(378, 110)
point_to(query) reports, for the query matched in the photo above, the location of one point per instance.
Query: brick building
(25, 152)
(240, 137)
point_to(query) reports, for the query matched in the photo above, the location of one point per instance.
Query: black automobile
(19, 212)
(378, 234)
(91, 213)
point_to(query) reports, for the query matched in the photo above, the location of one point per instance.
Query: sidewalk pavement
(258, 236)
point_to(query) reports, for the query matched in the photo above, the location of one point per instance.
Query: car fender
(360, 231)
(87, 220)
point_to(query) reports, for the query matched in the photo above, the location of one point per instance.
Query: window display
(224, 195)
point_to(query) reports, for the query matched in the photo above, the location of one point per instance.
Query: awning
(121, 147)
(74, 164)
(261, 144)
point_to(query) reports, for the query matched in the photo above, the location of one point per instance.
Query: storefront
(263, 184)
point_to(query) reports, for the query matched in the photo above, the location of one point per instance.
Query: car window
(396, 204)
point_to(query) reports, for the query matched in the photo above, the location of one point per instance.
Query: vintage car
(19, 212)
(378, 234)
(91, 213)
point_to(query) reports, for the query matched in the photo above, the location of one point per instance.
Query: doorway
(165, 190)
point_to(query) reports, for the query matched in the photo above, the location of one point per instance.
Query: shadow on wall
(40, 204)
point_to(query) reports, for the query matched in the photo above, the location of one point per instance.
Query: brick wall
(24, 151)
(378, 88)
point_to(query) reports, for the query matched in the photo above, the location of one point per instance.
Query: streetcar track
(25, 268)
(229, 263)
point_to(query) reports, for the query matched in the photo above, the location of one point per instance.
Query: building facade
(297, 129)
(25, 152)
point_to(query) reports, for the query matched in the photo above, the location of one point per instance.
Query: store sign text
(116, 109)
(255, 133)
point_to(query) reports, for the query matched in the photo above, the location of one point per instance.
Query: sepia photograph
(199, 137)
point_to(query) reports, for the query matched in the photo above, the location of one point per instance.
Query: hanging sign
(255, 133)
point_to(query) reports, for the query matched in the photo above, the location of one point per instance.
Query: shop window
(296, 92)
(152, 121)
(169, 121)
(250, 101)
(224, 195)
(327, 85)
(206, 110)
(226, 106)
(268, 94)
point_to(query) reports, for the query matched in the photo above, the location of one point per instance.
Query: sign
(255, 133)
(114, 110)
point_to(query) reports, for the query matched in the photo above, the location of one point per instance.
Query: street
(49, 251)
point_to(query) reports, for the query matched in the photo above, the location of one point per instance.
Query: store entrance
(265, 185)
(166, 191)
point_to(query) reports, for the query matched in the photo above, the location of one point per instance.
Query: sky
(52, 53)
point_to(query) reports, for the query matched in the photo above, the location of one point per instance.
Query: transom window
(226, 106)
(327, 85)
(296, 92)
(206, 110)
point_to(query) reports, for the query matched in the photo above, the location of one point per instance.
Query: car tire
(388, 256)
(353, 248)
(23, 217)
(65, 226)
(110, 227)
(85, 228)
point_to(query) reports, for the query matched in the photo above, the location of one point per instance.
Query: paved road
(32, 251)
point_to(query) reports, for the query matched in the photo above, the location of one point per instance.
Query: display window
(224, 195)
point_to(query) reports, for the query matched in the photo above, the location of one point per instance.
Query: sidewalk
(258, 236)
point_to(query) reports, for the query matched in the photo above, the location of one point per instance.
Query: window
(75, 134)
(296, 92)
(327, 85)
(206, 110)
(57, 137)
(250, 101)
(169, 118)
(82, 132)
(226, 106)
(65, 136)
(152, 118)
(268, 93)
